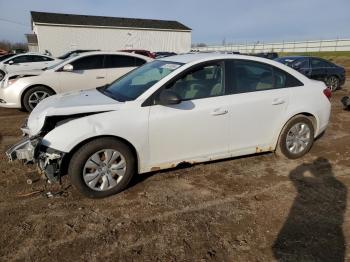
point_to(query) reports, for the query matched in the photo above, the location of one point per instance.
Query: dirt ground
(255, 208)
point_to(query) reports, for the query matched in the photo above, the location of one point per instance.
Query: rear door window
(251, 76)
(38, 58)
(22, 59)
(120, 61)
(88, 63)
(318, 63)
(139, 61)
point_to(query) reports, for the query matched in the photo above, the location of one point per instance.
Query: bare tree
(8, 46)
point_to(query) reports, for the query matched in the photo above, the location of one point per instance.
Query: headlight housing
(11, 81)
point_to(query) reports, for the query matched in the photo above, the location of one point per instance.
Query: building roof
(88, 20)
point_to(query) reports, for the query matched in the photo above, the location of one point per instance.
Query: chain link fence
(282, 47)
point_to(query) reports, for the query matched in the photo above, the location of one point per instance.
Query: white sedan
(25, 61)
(188, 108)
(26, 89)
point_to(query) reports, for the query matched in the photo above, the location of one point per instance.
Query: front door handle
(278, 101)
(100, 77)
(219, 111)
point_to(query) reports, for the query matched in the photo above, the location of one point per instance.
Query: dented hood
(72, 103)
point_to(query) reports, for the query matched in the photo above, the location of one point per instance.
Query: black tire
(32, 91)
(282, 148)
(81, 156)
(2, 75)
(333, 83)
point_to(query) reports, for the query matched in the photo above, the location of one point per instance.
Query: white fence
(290, 47)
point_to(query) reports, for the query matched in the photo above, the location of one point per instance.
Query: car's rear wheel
(2, 75)
(333, 83)
(34, 96)
(102, 167)
(296, 138)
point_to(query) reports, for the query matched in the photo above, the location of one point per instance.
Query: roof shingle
(88, 20)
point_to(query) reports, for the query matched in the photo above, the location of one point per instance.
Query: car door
(40, 62)
(195, 129)
(318, 69)
(258, 102)
(118, 65)
(303, 66)
(18, 63)
(88, 72)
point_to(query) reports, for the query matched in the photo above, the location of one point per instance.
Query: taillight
(328, 93)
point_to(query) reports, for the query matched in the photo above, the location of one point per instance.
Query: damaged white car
(187, 108)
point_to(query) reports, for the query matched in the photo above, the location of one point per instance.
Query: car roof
(110, 53)
(194, 57)
(31, 53)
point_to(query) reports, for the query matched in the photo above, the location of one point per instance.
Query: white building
(60, 33)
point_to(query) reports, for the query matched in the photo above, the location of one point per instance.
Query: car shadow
(313, 228)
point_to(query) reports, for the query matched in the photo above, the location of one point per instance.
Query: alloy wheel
(298, 138)
(333, 83)
(36, 97)
(104, 170)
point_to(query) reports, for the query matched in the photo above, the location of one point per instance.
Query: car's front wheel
(35, 95)
(102, 167)
(332, 83)
(296, 138)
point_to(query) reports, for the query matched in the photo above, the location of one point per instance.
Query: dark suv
(317, 68)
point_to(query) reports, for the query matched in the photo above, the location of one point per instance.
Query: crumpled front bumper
(30, 150)
(24, 150)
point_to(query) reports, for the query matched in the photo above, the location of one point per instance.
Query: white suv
(187, 108)
(26, 61)
(26, 89)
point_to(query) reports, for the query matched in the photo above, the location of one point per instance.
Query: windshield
(66, 55)
(135, 83)
(54, 65)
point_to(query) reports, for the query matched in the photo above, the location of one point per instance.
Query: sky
(232, 21)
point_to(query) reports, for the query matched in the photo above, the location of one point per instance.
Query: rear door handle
(278, 101)
(100, 77)
(219, 111)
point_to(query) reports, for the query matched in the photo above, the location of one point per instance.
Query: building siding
(61, 39)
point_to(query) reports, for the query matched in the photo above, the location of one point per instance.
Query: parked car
(3, 57)
(140, 52)
(27, 61)
(317, 68)
(74, 53)
(26, 89)
(187, 108)
(163, 54)
(268, 55)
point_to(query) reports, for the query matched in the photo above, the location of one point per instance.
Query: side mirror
(10, 62)
(167, 97)
(68, 68)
